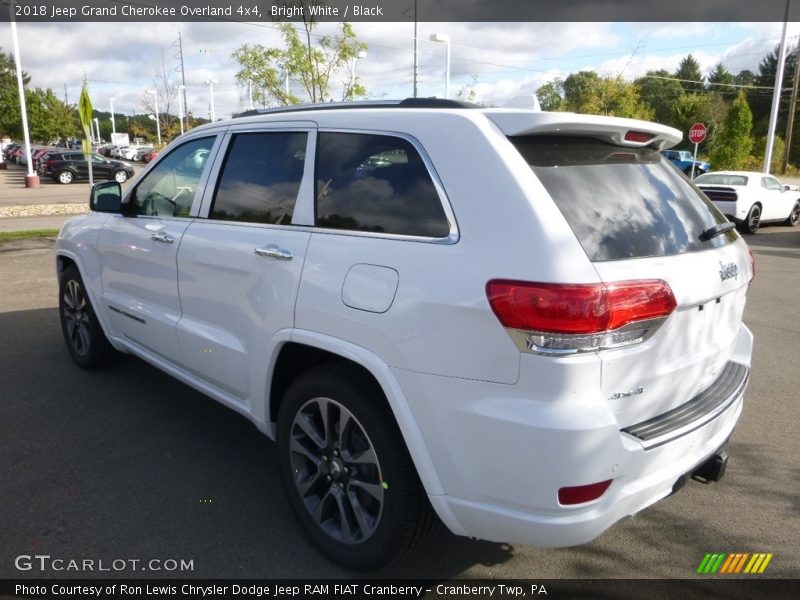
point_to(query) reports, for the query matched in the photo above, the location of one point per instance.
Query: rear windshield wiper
(716, 230)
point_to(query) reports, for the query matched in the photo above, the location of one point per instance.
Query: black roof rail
(407, 103)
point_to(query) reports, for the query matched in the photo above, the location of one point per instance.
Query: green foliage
(755, 161)
(550, 94)
(689, 70)
(661, 95)
(589, 93)
(732, 144)
(720, 75)
(49, 118)
(312, 63)
(468, 93)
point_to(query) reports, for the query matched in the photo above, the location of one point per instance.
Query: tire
(86, 342)
(120, 176)
(753, 219)
(794, 216)
(64, 177)
(353, 488)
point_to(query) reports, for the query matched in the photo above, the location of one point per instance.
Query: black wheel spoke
(336, 470)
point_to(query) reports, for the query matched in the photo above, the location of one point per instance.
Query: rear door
(637, 219)
(239, 268)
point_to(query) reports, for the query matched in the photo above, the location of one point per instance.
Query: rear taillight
(566, 318)
(752, 265)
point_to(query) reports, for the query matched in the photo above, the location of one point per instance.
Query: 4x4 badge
(728, 271)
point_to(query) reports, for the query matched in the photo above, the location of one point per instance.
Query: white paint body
(493, 432)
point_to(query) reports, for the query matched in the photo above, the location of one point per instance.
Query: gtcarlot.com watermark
(46, 563)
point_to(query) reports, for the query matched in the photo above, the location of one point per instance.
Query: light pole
(181, 90)
(444, 39)
(97, 128)
(31, 179)
(158, 122)
(210, 83)
(113, 123)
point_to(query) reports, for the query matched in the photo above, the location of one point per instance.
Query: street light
(31, 179)
(444, 39)
(97, 127)
(113, 123)
(210, 83)
(180, 89)
(158, 122)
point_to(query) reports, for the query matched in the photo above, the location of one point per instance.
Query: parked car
(749, 198)
(491, 317)
(683, 160)
(70, 166)
(140, 152)
(148, 156)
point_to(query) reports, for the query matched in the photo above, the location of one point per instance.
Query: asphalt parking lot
(128, 463)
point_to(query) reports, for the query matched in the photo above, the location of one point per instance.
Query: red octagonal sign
(697, 133)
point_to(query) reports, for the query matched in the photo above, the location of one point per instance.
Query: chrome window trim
(304, 195)
(451, 238)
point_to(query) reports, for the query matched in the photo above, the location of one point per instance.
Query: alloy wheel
(336, 471)
(76, 317)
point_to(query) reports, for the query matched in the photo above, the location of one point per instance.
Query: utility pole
(792, 105)
(66, 99)
(183, 77)
(416, 49)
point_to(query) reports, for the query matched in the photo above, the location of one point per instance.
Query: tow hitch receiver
(713, 469)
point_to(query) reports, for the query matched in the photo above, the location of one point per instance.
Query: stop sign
(697, 133)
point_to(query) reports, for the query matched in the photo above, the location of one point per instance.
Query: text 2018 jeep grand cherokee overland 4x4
(527, 324)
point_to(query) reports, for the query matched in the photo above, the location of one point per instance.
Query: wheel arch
(306, 349)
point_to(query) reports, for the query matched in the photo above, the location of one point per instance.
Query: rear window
(721, 179)
(621, 202)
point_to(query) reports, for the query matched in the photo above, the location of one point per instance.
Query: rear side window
(261, 178)
(621, 202)
(376, 183)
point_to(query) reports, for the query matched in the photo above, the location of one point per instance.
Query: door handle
(162, 237)
(272, 251)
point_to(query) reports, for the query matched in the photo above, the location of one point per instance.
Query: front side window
(771, 184)
(169, 188)
(261, 178)
(376, 183)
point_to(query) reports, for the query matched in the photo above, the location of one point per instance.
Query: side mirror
(787, 188)
(106, 196)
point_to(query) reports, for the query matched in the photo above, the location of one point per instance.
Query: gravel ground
(38, 210)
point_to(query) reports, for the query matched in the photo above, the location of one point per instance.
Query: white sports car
(749, 198)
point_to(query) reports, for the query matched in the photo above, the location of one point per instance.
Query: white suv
(527, 325)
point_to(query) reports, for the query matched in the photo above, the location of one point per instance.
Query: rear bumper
(503, 456)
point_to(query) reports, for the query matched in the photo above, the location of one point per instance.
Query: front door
(138, 250)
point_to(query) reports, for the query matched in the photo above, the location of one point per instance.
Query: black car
(64, 167)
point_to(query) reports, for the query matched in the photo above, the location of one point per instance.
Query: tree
(660, 92)
(733, 142)
(550, 94)
(10, 120)
(586, 92)
(468, 91)
(761, 100)
(689, 72)
(720, 75)
(315, 65)
(49, 118)
(167, 94)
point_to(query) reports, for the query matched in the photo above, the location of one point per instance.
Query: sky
(501, 60)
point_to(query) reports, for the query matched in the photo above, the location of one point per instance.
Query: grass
(24, 235)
